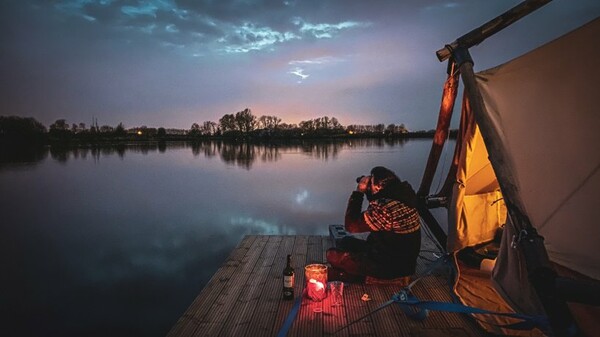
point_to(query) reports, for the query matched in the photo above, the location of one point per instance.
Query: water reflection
(241, 154)
(117, 240)
(11, 154)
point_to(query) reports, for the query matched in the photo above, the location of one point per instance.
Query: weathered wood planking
(266, 311)
(244, 297)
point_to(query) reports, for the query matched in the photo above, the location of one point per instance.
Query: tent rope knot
(409, 305)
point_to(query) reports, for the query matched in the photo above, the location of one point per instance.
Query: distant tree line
(22, 129)
(241, 125)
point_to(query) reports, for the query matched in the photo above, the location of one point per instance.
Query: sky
(171, 63)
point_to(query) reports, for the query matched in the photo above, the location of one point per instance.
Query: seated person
(394, 242)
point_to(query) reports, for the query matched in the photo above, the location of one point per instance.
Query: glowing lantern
(316, 279)
(139, 133)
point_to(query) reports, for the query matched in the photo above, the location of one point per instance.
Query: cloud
(300, 67)
(185, 24)
(89, 18)
(442, 6)
(300, 73)
(317, 60)
(225, 27)
(248, 37)
(139, 11)
(171, 28)
(326, 30)
(254, 37)
(152, 7)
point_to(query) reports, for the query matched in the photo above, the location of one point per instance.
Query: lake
(119, 240)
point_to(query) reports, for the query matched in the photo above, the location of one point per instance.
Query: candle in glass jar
(315, 290)
(316, 279)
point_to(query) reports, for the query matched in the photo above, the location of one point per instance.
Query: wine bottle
(288, 280)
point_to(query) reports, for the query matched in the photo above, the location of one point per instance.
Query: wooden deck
(244, 297)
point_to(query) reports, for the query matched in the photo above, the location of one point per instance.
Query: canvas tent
(527, 160)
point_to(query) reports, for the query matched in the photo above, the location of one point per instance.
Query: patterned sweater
(392, 216)
(393, 220)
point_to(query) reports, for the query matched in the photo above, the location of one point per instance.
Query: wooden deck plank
(385, 323)
(239, 317)
(357, 308)
(211, 323)
(333, 317)
(298, 260)
(187, 324)
(266, 310)
(211, 316)
(309, 322)
(244, 297)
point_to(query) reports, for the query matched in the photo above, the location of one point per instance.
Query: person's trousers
(350, 257)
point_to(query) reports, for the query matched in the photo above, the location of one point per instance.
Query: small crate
(336, 233)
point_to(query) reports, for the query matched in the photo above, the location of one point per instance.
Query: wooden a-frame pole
(477, 35)
(441, 132)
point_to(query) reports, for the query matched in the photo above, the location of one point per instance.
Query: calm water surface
(118, 241)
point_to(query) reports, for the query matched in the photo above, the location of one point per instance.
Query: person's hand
(363, 184)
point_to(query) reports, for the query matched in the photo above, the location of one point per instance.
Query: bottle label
(288, 281)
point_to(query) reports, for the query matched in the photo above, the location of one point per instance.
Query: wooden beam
(477, 35)
(441, 131)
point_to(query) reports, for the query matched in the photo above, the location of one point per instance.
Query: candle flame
(318, 285)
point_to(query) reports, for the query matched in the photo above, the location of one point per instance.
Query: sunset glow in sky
(175, 62)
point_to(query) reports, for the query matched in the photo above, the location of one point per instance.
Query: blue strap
(418, 310)
(411, 312)
(411, 305)
(287, 324)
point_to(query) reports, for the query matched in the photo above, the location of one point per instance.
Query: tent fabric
(544, 105)
(478, 209)
(473, 288)
(476, 213)
(585, 315)
(510, 277)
